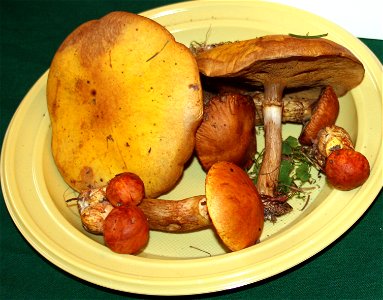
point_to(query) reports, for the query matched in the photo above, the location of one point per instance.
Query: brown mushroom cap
(297, 62)
(276, 63)
(324, 114)
(227, 132)
(234, 205)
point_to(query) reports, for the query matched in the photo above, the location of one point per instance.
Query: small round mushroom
(125, 188)
(232, 205)
(324, 114)
(333, 151)
(227, 132)
(276, 63)
(346, 169)
(126, 230)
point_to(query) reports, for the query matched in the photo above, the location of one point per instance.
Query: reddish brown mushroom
(126, 230)
(232, 205)
(346, 169)
(125, 189)
(333, 151)
(276, 63)
(227, 132)
(324, 114)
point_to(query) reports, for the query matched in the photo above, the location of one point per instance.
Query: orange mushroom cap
(227, 132)
(234, 205)
(324, 114)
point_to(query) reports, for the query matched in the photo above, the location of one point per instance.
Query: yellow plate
(180, 264)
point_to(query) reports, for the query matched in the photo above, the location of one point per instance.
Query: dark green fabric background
(31, 31)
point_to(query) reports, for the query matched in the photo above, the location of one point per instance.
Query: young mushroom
(324, 114)
(227, 132)
(333, 151)
(276, 63)
(126, 229)
(232, 205)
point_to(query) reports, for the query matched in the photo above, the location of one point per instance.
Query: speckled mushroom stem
(272, 114)
(176, 216)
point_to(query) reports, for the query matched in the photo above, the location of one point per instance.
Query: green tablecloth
(31, 31)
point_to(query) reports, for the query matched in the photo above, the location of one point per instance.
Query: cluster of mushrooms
(265, 81)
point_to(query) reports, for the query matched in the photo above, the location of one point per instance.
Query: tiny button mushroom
(126, 230)
(346, 169)
(125, 189)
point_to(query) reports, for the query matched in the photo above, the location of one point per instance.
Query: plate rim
(214, 286)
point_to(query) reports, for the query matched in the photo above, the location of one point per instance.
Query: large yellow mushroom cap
(123, 95)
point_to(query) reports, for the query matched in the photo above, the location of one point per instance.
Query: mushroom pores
(227, 132)
(346, 169)
(234, 205)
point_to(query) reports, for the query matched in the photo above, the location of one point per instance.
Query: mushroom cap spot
(324, 114)
(234, 205)
(295, 62)
(227, 132)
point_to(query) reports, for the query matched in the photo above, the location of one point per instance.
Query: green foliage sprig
(295, 175)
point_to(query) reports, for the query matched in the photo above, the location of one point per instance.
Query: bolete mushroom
(232, 205)
(231, 202)
(227, 132)
(324, 114)
(126, 229)
(333, 151)
(297, 105)
(123, 96)
(276, 63)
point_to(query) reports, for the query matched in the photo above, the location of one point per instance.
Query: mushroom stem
(294, 109)
(184, 215)
(176, 216)
(272, 113)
